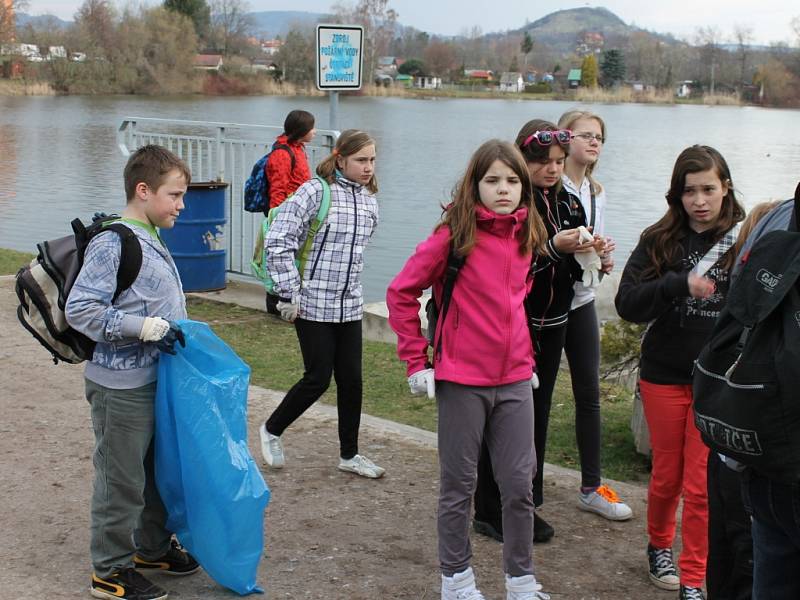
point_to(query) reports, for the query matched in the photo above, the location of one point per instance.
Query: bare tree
(743, 36)
(709, 38)
(95, 23)
(379, 23)
(7, 22)
(296, 57)
(231, 24)
(441, 58)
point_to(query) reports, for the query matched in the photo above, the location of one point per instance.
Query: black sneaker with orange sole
(126, 585)
(175, 562)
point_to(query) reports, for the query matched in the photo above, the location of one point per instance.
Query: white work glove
(153, 329)
(288, 310)
(423, 382)
(535, 381)
(589, 261)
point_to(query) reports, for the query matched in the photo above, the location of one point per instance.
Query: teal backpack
(259, 263)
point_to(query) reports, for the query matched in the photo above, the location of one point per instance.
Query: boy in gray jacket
(128, 518)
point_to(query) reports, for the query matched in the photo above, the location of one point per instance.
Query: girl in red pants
(676, 280)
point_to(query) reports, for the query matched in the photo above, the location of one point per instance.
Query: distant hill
(274, 23)
(560, 30)
(41, 21)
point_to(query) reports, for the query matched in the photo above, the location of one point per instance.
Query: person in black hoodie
(545, 149)
(663, 286)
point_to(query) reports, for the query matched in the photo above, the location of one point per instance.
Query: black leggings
(328, 348)
(580, 339)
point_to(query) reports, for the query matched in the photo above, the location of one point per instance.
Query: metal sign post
(339, 63)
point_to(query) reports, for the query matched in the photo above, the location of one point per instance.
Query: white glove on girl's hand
(153, 329)
(535, 381)
(288, 310)
(423, 382)
(589, 261)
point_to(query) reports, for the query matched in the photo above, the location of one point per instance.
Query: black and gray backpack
(747, 378)
(43, 286)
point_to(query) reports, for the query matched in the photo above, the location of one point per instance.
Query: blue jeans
(776, 538)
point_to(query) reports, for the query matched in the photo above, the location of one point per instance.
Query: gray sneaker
(271, 448)
(361, 465)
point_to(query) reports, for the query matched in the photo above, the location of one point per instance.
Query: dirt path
(329, 535)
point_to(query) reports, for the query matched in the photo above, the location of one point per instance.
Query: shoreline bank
(14, 87)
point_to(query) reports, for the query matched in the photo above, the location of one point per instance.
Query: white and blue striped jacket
(331, 289)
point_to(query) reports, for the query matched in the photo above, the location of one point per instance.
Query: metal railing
(220, 152)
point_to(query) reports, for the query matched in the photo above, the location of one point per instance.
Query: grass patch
(270, 347)
(11, 261)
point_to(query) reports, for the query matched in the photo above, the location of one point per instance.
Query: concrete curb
(421, 437)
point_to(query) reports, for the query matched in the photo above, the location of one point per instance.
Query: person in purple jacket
(481, 369)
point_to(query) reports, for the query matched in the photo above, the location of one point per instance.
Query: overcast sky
(769, 19)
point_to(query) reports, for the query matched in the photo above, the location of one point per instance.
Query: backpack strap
(796, 211)
(277, 146)
(717, 251)
(322, 214)
(454, 264)
(130, 259)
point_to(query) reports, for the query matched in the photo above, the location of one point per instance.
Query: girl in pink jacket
(480, 372)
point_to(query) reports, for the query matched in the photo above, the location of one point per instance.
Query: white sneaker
(605, 502)
(524, 588)
(361, 465)
(271, 448)
(461, 586)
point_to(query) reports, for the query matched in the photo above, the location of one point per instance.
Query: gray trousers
(504, 415)
(127, 514)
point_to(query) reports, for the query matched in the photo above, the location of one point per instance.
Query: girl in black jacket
(661, 286)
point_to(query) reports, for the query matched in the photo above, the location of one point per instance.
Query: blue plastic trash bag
(212, 489)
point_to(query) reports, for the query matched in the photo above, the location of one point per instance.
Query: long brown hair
(350, 141)
(663, 238)
(460, 216)
(567, 121)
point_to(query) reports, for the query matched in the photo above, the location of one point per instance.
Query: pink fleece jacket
(485, 334)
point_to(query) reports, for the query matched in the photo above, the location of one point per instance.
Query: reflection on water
(59, 160)
(8, 165)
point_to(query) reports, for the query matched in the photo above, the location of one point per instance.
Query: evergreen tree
(612, 67)
(413, 67)
(525, 47)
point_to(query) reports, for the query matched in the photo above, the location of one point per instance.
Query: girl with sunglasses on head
(480, 372)
(676, 280)
(545, 149)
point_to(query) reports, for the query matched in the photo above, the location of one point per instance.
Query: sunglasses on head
(545, 138)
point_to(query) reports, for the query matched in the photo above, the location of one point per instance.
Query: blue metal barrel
(197, 241)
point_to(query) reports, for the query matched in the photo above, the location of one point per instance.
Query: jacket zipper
(352, 249)
(508, 305)
(319, 253)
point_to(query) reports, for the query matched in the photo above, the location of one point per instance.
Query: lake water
(59, 159)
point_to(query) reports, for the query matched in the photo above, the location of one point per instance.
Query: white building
(428, 83)
(512, 82)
